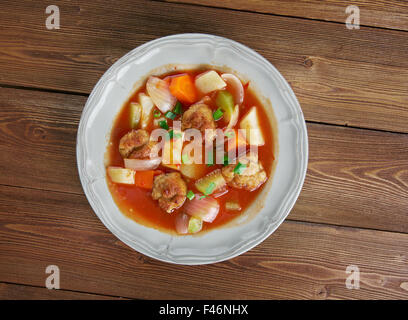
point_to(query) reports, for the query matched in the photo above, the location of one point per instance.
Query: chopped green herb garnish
(239, 168)
(185, 158)
(190, 195)
(218, 114)
(226, 159)
(229, 134)
(178, 109)
(156, 114)
(170, 115)
(171, 133)
(163, 124)
(210, 159)
(210, 188)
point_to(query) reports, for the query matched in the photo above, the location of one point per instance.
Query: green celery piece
(210, 188)
(239, 168)
(225, 101)
(210, 182)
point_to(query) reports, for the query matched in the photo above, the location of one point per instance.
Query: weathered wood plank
(355, 177)
(349, 93)
(359, 77)
(10, 291)
(38, 139)
(384, 14)
(300, 260)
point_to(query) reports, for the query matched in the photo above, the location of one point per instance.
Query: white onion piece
(236, 86)
(206, 208)
(142, 164)
(182, 220)
(159, 91)
(234, 118)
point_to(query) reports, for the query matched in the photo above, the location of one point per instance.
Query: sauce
(137, 203)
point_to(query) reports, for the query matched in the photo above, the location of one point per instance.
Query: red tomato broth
(137, 203)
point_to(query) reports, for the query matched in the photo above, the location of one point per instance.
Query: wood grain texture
(300, 260)
(356, 78)
(9, 291)
(355, 177)
(38, 139)
(384, 14)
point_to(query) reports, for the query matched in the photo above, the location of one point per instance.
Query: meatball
(250, 178)
(170, 190)
(149, 150)
(131, 141)
(199, 116)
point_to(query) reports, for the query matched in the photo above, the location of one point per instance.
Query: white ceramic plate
(277, 197)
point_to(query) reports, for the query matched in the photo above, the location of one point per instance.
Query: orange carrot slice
(183, 88)
(144, 179)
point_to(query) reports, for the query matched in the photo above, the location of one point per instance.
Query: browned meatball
(131, 141)
(149, 150)
(170, 190)
(199, 116)
(251, 177)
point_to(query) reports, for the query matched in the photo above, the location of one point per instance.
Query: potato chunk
(121, 175)
(209, 81)
(250, 123)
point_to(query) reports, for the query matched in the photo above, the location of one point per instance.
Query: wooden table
(353, 210)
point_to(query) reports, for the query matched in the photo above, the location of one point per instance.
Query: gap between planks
(205, 5)
(369, 89)
(353, 175)
(57, 292)
(334, 225)
(67, 92)
(296, 252)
